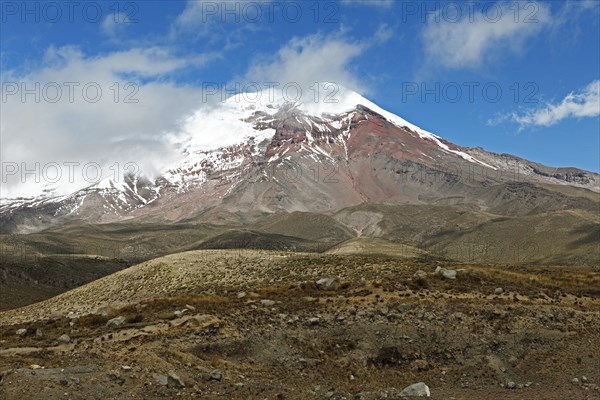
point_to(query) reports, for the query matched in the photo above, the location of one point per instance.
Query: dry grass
(557, 279)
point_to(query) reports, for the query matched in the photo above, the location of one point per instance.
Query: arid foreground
(266, 325)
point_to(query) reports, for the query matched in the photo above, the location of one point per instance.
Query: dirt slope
(259, 326)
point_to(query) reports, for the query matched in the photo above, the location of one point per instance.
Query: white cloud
(474, 40)
(566, 24)
(383, 33)
(586, 103)
(84, 127)
(306, 60)
(109, 131)
(115, 24)
(214, 20)
(193, 17)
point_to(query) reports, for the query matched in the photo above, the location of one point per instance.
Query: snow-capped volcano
(265, 152)
(227, 125)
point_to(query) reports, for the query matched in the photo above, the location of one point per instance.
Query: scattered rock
(405, 307)
(420, 274)
(190, 308)
(330, 283)
(21, 332)
(416, 390)
(162, 380)
(64, 339)
(584, 379)
(173, 380)
(216, 375)
(241, 295)
(72, 315)
(180, 313)
(393, 316)
(39, 333)
(267, 302)
(511, 385)
(498, 290)
(446, 273)
(116, 322)
(126, 368)
(313, 321)
(574, 380)
(449, 273)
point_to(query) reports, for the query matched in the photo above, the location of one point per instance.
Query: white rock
(416, 390)
(174, 380)
(162, 380)
(216, 375)
(115, 322)
(64, 339)
(180, 313)
(449, 273)
(328, 283)
(420, 274)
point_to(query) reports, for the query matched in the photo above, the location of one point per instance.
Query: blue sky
(438, 65)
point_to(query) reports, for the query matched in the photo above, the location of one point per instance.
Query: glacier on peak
(211, 128)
